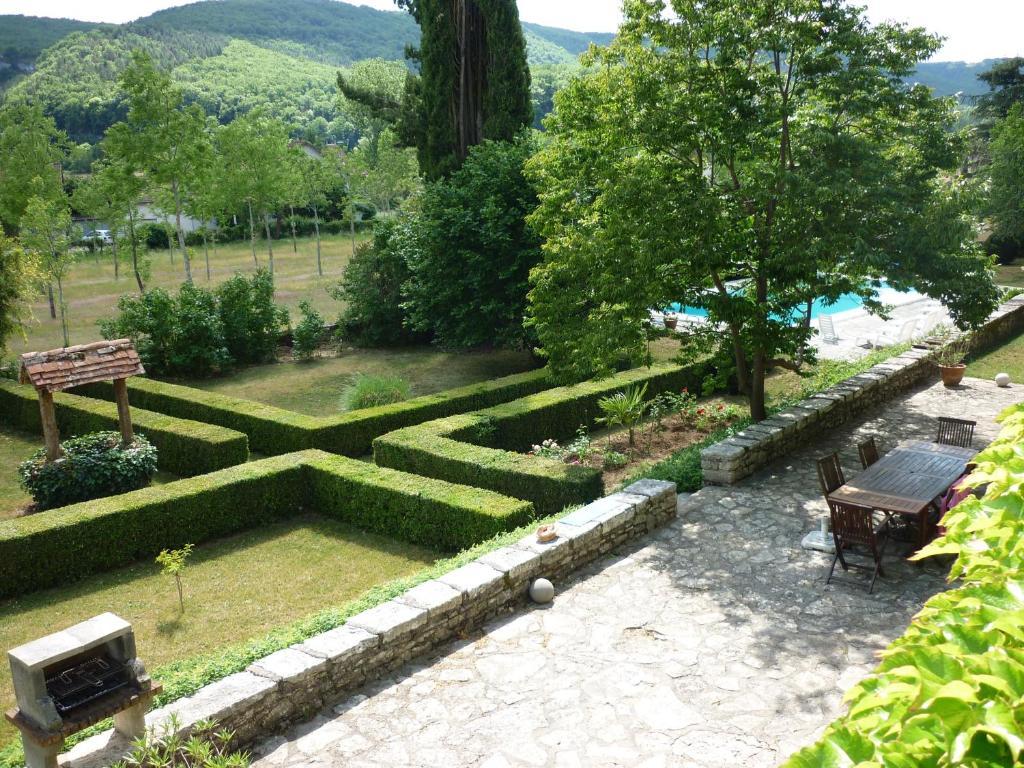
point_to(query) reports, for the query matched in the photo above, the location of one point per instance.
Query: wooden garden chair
(830, 473)
(855, 526)
(958, 432)
(868, 452)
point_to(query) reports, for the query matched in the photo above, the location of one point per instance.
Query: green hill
(231, 55)
(23, 38)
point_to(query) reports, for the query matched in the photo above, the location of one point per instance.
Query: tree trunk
(113, 252)
(352, 225)
(472, 59)
(49, 296)
(181, 233)
(270, 244)
(63, 312)
(295, 247)
(252, 236)
(135, 250)
(316, 228)
(206, 251)
(757, 404)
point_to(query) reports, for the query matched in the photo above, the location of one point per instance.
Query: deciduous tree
(745, 158)
(19, 273)
(1006, 172)
(46, 230)
(31, 150)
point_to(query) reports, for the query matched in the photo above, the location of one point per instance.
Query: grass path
(15, 447)
(235, 589)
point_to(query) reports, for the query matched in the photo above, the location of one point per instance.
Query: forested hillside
(23, 38)
(233, 55)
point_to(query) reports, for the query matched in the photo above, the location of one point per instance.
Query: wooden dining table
(907, 480)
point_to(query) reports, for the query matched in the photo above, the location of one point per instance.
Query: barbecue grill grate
(86, 681)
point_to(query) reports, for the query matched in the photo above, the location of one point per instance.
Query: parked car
(103, 236)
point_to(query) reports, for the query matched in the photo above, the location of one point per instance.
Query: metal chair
(958, 432)
(854, 525)
(868, 452)
(830, 473)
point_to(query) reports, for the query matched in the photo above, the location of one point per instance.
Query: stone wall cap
(432, 596)
(389, 619)
(340, 642)
(287, 663)
(650, 488)
(472, 578)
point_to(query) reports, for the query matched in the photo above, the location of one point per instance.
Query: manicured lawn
(91, 291)
(15, 447)
(235, 589)
(1010, 274)
(315, 387)
(1008, 358)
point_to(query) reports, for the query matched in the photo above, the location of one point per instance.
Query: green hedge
(62, 545)
(416, 509)
(185, 448)
(274, 430)
(950, 691)
(476, 449)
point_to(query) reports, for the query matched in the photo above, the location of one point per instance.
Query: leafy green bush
(93, 466)
(154, 236)
(371, 288)
(368, 391)
(949, 691)
(175, 335)
(308, 333)
(274, 430)
(199, 332)
(624, 409)
(185, 448)
(252, 322)
(470, 268)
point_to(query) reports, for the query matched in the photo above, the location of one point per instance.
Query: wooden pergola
(61, 369)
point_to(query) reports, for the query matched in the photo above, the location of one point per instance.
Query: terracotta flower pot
(671, 322)
(952, 374)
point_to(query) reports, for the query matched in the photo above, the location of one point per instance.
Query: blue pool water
(845, 302)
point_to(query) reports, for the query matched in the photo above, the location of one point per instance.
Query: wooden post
(124, 414)
(51, 435)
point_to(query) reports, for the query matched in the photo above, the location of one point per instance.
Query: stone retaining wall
(291, 685)
(736, 457)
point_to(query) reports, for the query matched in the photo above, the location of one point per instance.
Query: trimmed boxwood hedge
(275, 430)
(62, 545)
(477, 448)
(184, 448)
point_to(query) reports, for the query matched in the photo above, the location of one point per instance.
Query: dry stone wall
(736, 457)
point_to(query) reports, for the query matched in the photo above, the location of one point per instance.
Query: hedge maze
(448, 469)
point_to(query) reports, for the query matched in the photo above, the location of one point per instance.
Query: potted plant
(670, 322)
(950, 359)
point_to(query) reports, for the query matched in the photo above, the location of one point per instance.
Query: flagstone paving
(713, 642)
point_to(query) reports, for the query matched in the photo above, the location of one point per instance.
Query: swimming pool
(844, 303)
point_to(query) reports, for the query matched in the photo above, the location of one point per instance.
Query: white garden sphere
(1002, 379)
(542, 591)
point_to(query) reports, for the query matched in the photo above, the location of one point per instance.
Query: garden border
(478, 448)
(274, 431)
(61, 545)
(740, 455)
(184, 448)
(292, 684)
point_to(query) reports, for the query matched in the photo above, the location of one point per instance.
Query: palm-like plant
(624, 409)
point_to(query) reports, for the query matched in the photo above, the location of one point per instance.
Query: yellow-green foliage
(950, 692)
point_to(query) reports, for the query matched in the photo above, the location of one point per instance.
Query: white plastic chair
(827, 329)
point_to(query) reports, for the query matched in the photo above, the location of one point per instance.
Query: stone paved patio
(714, 642)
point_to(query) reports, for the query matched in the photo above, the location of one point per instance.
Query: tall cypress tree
(474, 81)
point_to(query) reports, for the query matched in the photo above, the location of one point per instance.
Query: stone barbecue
(74, 678)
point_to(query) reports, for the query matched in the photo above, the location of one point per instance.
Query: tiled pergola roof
(61, 369)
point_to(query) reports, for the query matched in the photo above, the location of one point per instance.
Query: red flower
(700, 411)
(721, 406)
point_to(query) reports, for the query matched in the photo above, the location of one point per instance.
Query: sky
(974, 29)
